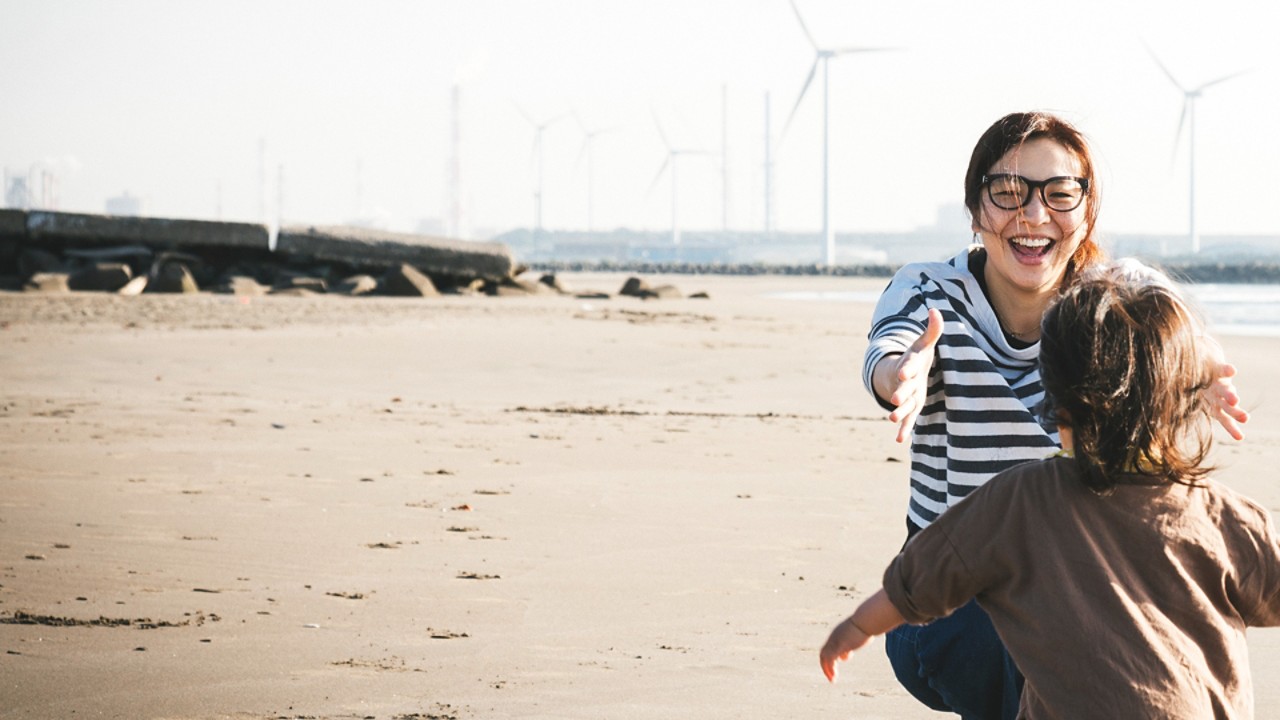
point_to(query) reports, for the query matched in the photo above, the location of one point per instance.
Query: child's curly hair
(1122, 365)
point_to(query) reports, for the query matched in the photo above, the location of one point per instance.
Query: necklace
(1019, 335)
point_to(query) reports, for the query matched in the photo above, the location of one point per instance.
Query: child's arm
(875, 616)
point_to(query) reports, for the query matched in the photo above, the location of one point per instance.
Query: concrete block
(103, 277)
(34, 260)
(173, 278)
(379, 249)
(664, 292)
(311, 284)
(241, 286)
(357, 285)
(514, 287)
(110, 229)
(134, 286)
(634, 287)
(48, 282)
(13, 224)
(406, 281)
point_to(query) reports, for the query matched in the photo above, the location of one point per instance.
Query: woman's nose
(1035, 211)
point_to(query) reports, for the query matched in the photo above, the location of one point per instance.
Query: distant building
(16, 194)
(36, 190)
(124, 204)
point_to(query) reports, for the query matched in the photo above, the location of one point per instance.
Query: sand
(464, 507)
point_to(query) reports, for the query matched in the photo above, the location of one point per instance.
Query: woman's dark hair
(1121, 355)
(1012, 131)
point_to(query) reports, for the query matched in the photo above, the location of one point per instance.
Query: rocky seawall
(1254, 271)
(1244, 271)
(54, 251)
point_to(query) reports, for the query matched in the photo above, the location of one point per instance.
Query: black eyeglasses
(1013, 192)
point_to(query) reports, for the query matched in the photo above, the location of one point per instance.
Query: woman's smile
(1030, 247)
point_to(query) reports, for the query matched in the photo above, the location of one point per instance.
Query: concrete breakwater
(1243, 271)
(1253, 271)
(55, 251)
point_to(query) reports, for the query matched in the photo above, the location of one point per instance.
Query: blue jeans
(957, 664)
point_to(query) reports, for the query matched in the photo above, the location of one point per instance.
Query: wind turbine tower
(672, 161)
(1189, 97)
(588, 151)
(724, 158)
(262, 180)
(823, 56)
(455, 167)
(539, 128)
(768, 168)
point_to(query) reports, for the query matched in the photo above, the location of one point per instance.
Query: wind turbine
(823, 56)
(539, 128)
(588, 144)
(1188, 117)
(673, 156)
(768, 166)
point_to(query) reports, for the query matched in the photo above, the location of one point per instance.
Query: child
(1120, 577)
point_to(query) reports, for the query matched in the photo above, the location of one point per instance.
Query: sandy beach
(463, 507)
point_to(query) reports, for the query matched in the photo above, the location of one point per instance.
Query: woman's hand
(903, 380)
(1226, 402)
(1223, 399)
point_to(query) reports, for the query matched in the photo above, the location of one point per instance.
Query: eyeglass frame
(1033, 185)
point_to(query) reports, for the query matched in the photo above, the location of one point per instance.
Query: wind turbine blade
(804, 27)
(852, 50)
(658, 124)
(1222, 79)
(1182, 119)
(658, 177)
(582, 152)
(1164, 69)
(524, 114)
(807, 81)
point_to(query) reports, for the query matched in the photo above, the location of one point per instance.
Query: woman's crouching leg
(957, 664)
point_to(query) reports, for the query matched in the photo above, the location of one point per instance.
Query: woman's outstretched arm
(902, 380)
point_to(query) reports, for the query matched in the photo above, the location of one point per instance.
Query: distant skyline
(340, 111)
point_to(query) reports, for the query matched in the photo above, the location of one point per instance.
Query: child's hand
(846, 638)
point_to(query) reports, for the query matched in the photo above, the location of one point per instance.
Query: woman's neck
(1019, 310)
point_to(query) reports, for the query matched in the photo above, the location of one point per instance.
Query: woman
(952, 353)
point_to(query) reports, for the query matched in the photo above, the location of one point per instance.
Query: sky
(347, 106)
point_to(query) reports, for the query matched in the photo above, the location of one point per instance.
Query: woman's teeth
(1030, 242)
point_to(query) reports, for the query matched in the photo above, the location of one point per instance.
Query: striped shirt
(980, 414)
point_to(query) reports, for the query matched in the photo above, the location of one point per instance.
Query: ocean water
(1230, 309)
(1239, 309)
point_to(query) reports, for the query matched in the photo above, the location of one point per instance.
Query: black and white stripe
(979, 417)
